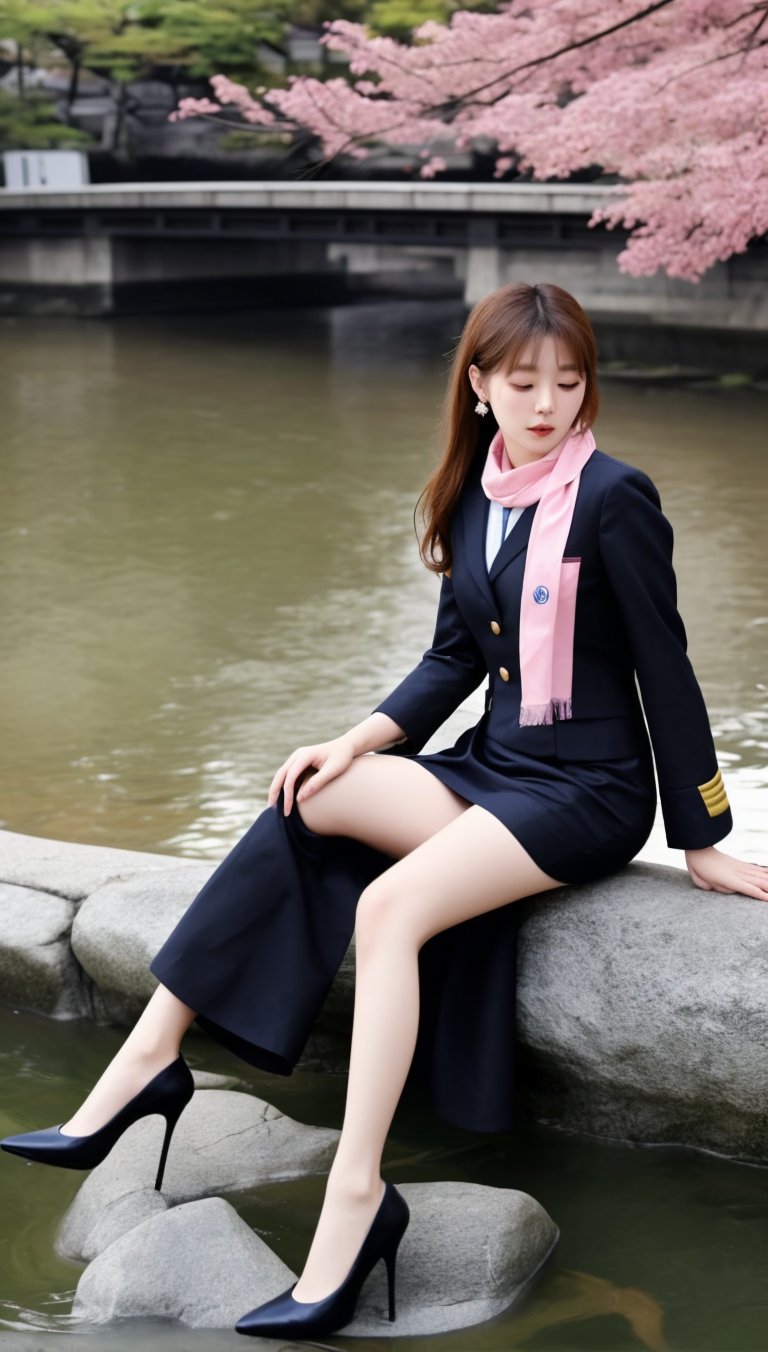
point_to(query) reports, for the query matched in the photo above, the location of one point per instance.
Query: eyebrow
(567, 367)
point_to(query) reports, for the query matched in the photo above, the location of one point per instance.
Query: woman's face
(549, 393)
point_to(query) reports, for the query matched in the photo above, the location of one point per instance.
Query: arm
(636, 546)
(325, 760)
(449, 670)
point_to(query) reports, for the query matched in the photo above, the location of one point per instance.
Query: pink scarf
(546, 634)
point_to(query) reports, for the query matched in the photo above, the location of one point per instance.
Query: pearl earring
(481, 408)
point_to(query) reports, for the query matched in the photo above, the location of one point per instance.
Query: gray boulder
(641, 999)
(120, 927)
(68, 869)
(224, 1142)
(643, 1012)
(37, 969)
(467, 1255)
(198, 1263)
(469, 1252)
(121, 1214)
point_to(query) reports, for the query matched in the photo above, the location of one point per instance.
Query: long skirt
(256, 952)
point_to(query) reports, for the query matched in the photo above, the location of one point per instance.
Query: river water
(207, 557)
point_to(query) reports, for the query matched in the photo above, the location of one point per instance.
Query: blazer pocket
(565, 624)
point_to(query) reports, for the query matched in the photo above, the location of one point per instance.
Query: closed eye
(562, 387)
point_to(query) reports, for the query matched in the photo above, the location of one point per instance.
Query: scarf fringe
(533, 714)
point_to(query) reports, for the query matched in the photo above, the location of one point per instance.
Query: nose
(544, 402)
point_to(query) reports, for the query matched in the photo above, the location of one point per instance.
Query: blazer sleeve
(449, 671)
(636, 546)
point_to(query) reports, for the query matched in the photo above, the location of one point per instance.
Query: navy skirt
(578, 820)
(256, 952)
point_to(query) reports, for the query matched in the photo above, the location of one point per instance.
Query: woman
(557, 585)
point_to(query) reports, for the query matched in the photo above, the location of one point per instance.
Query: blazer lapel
(475, 524)
(515, 543)
(474, 519)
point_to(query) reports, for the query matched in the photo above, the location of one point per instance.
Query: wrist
(352, 741)
(700, 854)
(374, 733)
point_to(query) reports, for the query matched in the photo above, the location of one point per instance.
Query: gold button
(504, 674)
(495, 626)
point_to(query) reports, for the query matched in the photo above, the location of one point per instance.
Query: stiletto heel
(171, 1119)
(389, 1259)
(284, 1317)
(167, 1094)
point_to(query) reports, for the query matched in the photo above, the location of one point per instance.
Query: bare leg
(435, 885)
(155, 1039)
(152, 1044)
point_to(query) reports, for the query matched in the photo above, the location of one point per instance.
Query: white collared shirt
(493, 540)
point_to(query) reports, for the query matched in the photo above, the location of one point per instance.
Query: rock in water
(198, 1263)
(225, 1141)
(467, 1255)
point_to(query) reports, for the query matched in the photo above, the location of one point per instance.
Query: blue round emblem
(541, 595)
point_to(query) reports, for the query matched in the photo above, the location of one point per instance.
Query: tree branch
(549, 56)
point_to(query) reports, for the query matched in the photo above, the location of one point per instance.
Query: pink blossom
(436, 165)
(670, 97)
(192, 108)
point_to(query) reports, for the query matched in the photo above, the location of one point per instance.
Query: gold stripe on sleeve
(714, 795)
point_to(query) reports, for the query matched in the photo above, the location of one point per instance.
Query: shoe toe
(267, 1314)
(34, 1143)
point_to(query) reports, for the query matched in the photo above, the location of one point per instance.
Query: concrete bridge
(113, 248)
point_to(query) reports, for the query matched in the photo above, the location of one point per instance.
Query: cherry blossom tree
(668, 99)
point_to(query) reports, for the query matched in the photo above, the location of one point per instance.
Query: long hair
(494, 337)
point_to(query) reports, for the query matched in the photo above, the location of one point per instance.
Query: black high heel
(167, 1094)
(284, 1317)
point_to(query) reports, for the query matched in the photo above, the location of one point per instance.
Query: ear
(475, 379)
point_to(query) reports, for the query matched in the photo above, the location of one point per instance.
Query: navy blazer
(620, 592)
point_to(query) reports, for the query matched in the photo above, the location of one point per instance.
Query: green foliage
(126, 39)
(29, 124)
(212, 35)
(398, 18)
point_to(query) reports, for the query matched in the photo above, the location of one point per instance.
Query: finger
(277, 782)
(314, 782)
(296, 758)
(759, 893)
(289, 786)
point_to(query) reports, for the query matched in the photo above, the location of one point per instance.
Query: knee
(381, 913)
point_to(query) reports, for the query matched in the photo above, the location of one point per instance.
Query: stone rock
(198, 1263)
(642, 1011)
(120, 927)
(37, 969)
(71, 870)
(467, 1255)
(121, 1215)
(224, 1142)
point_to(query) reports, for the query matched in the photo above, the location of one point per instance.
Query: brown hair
(493, 338)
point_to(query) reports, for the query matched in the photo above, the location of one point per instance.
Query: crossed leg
(374, 804)
(454, 861)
